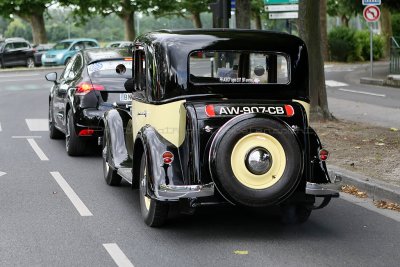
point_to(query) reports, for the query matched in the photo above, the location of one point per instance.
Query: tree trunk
(345, 20)
(196, 20)
(243, 14)
(129, 25)
(387, 32)
(38, 30)
(324, 31)
(310, 32)
(258, 21)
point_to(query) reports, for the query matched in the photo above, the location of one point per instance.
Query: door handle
(143, 113)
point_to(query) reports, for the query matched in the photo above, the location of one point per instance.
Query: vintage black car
(218, 116)
(91, 83)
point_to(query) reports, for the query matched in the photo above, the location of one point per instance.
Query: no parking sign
(372, 13)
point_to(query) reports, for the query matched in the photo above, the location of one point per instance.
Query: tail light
(323, 154)
(84, 87)
(168, 157)
(86, 132)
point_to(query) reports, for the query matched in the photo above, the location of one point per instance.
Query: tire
(54, 133)
(30, 62)
(66, 61)
(154, 213)
(295, 214)
(232, 175)
(73, 144)
(110, 173)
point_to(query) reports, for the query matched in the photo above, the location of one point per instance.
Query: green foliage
(17, 28)
(348, 45)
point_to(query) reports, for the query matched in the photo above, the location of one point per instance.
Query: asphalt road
(56, 210)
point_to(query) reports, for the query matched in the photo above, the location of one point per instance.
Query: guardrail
(395, 55)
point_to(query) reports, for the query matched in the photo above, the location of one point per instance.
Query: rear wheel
(30, 63)
(154, 212)
(110, 174)
(54, 133)
(73, 144)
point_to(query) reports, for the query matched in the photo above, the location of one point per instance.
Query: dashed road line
(117, 255)
(1, 129)
(332, 83)
(39, 152)
(361, 92)
(37, 125)
(25, 136)
(73, 197)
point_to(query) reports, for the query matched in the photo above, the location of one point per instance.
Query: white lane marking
(1, 129)
(361, 92)
(37, 125)
(73, 197)
(2, 173)
(369, 205)
(332, 83)
(37, 149)
(117, 255)
(25, 137)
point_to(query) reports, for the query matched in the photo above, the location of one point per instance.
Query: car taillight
(84, 87)
(168, 157)
(323, 154)
(86, 132)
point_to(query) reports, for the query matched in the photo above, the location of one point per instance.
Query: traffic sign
(372, 13)
(284, 15)
(280, 2)
(275, 8)
(371, 2)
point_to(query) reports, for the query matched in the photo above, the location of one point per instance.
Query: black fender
(151, 143)
(319, 171)
(115, 123)
(232, 122)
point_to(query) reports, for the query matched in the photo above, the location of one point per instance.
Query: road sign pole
(371, 47)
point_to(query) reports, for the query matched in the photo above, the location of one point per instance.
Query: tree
(324, 30)
(17, 28)
(31, 11)
(344, 9)
(243, 14)
(257, 9)
(310, 32)
(124, 9)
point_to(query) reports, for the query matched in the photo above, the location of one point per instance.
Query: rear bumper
(175, 192)
(322, 190)
(90, 118)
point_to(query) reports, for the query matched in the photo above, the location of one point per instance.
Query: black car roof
(102, 54)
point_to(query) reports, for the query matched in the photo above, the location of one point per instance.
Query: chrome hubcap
(258, 161)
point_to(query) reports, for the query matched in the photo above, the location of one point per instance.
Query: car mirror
(129, 86)
(51, 77)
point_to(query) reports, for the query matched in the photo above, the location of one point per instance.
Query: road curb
(377, 190)
(390, 81)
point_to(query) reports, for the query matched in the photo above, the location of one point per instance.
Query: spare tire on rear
(255, 160)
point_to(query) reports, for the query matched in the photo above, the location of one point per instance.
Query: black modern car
(16, 52)
(39, 50)
(91, 83)
(218, 117)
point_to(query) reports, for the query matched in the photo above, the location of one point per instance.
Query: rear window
(233, 67)
(62, 46)
(111, 69)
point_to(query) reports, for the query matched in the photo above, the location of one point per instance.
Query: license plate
(125, 97)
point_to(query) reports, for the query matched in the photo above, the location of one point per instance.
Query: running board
(126, 174)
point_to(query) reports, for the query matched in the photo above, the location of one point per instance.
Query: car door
(20, 49)
(9, 55)
(60, 93)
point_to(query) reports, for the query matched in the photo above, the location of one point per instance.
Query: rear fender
(319, 171)
(116, 122)
(160, 173)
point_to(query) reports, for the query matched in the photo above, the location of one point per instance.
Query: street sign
(372, 13)
(371, 2)
(280, 2)
(275, 8)
(284, 15)
(233, 4)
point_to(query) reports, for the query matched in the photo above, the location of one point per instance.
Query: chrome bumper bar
(322, 190)
(185, 191)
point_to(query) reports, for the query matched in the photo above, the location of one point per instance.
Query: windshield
(229, 67)
(62, 46)
(111, 69)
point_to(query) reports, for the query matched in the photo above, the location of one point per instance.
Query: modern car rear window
(111, 69)
(233, 67)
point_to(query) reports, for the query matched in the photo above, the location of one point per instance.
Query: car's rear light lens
(84, 87)
(210, 111)
(86, 132)
(323, 154)
(168, 157)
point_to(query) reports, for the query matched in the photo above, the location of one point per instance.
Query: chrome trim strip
(185, 191)
(322, 189)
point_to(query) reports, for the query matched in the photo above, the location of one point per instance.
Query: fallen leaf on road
(350, 189)
(241, 252)
(357, 147)
(380, 144)
(387, 205)
(394, 129)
